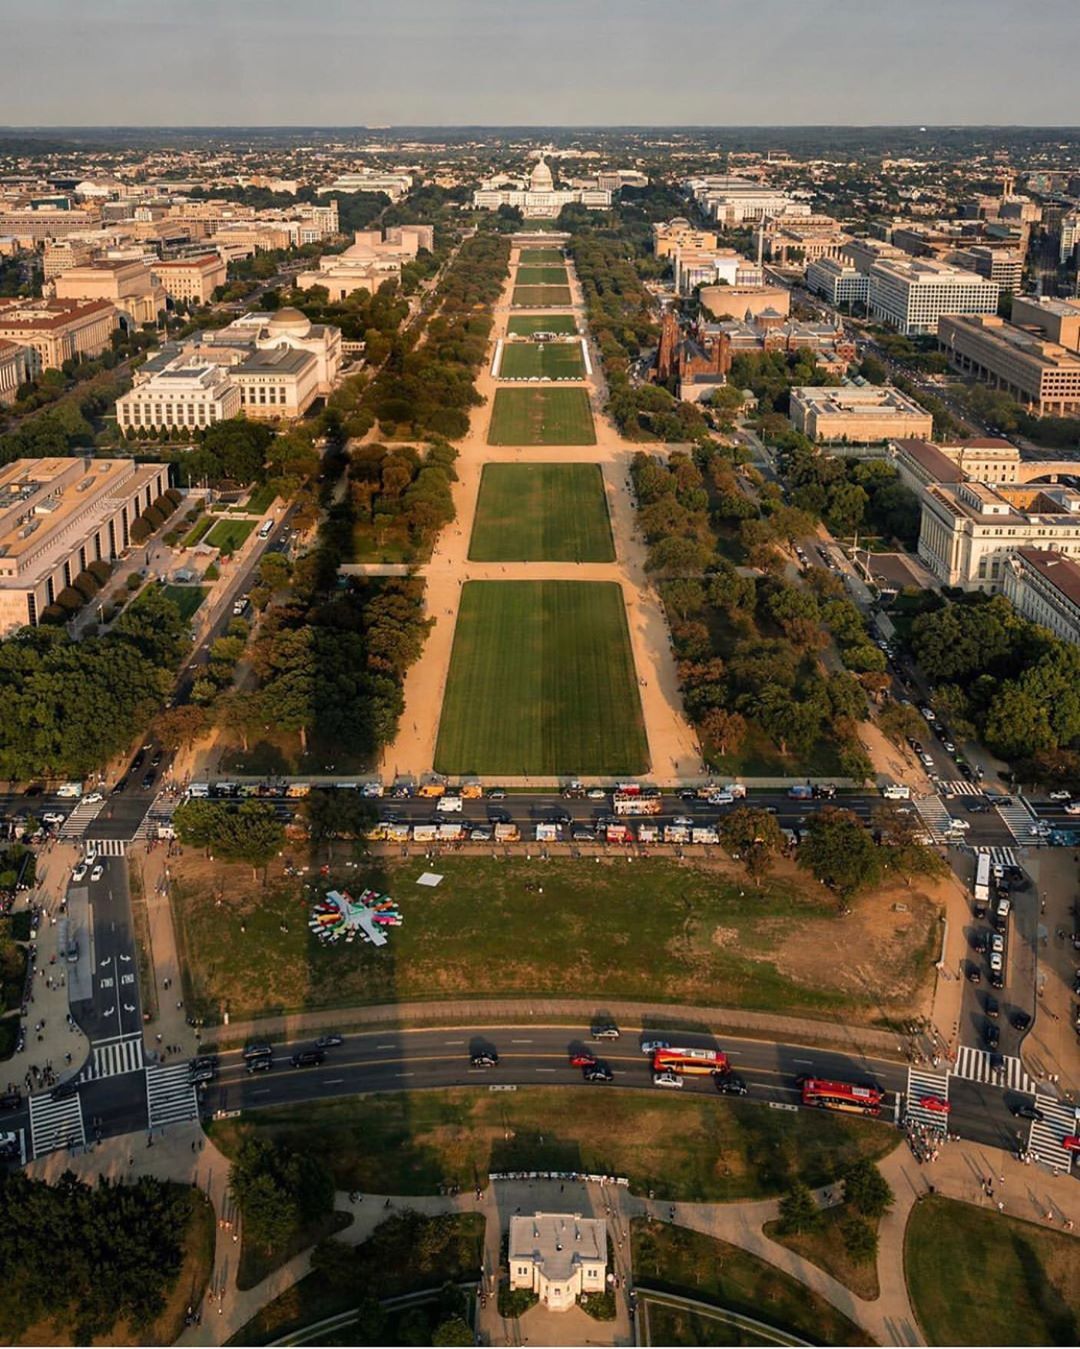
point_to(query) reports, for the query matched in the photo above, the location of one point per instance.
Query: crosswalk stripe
(1046, 1134)
(974, 1065)
(960, 787)
(114, 1058)
(922, 1083)
(934, 815)
(80, 818)
(1019, 817)
(1006, 857)
(106, 847)
(170, 1096)
(55, 1124)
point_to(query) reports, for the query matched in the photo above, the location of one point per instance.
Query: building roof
(204, 261)
(275, 360)
(557, 1242)
(34, 315)
(940, 467)
(1062, 572)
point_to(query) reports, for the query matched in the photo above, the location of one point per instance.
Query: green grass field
(186, 598)
(541, 681)
(541, 276)
(260, 500)
(542, 360)
(198, 531)
(1008, 1282)
(541, 417)
(228, 535)
(714, 1271)
(524, 325)
(541, 297)
(541, 513)
(689, 1147)
(542, 257)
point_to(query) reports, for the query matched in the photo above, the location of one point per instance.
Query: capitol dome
(290, 321)
(540, 179)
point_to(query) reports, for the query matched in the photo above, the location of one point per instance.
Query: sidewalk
(48, 1001)
(631, 1017)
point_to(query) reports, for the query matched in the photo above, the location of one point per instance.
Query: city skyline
(482, 63)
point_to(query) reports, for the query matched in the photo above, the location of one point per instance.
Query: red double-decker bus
(675, 1060)
(845, 1096)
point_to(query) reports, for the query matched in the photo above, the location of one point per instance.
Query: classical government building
(558, 1256)
(59, 330)
(858, 414)
(537, 197)
(59, 515)
(370, 259)
(1044, 586)
(267, 366)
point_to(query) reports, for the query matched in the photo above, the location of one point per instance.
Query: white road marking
(521, 1042)
(404, 1074)
(453, 1042)
(394, 1046)
(333, 1081)
(802, 1060)
(545, 1070)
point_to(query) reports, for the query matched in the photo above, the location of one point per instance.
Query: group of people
(925, 1140)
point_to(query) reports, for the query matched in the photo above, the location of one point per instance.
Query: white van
(71, 789)
(896, 791)
(198, 790)
(449, 805)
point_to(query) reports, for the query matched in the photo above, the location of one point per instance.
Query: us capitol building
(537, 196)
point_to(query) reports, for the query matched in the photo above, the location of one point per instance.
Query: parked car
(79, 874)
(991, 1035)
(997, 962)
(991, 1006)
(1021, 1020)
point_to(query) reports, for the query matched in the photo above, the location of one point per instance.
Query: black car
(965, 771)
(977, 807)
(258, 1049)
(824, 791)
(729, 1084)
(974, 974)
(261, 1065)
(329, 1041)
(1025, 1110)
(991, 1035)
(148, 780)
(157, 757)
(121, 785)
(598, 1072)
(65, 1089)
(991, 1006)
(997, 979)
(980, 940)
(308, 1058)
(1021, 1020)
(137, 762)
(979, 909)
(484, 1058)
(11, 1100)
(559, 817)
(500, 816)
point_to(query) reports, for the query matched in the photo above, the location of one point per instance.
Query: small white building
(558, 1256)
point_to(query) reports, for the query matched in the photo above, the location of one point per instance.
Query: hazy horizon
(539, 63)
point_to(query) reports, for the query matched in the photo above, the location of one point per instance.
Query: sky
(538, 62)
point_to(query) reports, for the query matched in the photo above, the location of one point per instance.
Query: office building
(732, 201)
(60, 255)
(558, 1256)
(18, 365)
(803, 241)
(192, 280)
(997, 462)
(59, 515)
(1003, 266)
(858, 414)
(671, 235)
(1044, 586)
(912, 295)
(863, 253)
(59, 330)
(1069, 236)
(970, 531)
(1042, 375)
(1056, 320)
(129, 285)
(837, 281)
(710, 267)
(43, 223)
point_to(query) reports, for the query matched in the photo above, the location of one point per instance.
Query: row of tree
(398, 489)
(84, 1259)
(1004, 679)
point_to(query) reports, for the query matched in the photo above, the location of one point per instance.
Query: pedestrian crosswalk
(1019, 818)
(55, 1124)
(107, 847)
(112, 1058)
(959, 787)
(924, 1084)
(77, 822)
(1006, 857)
(1058, 1122)
(934, 816)
(974, 1065)
(170, 1097)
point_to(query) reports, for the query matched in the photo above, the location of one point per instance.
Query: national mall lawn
(653, 930)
